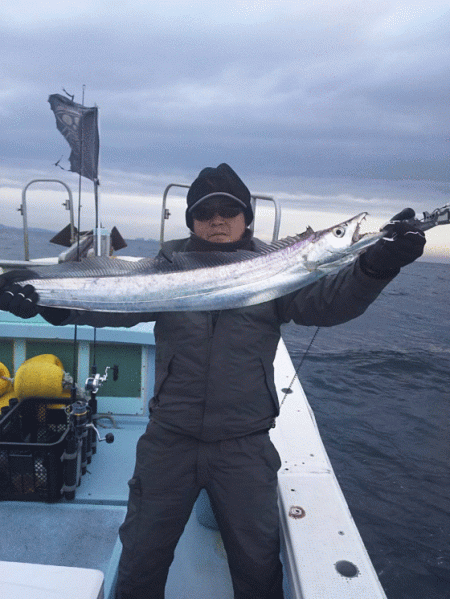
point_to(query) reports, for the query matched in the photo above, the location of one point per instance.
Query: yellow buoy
(5, 385)
(40, 376)
(46, 358)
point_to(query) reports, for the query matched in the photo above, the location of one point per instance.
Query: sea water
(380, 390)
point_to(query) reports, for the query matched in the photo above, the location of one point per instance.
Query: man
(215, 400)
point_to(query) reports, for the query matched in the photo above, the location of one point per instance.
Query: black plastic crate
(33, 439)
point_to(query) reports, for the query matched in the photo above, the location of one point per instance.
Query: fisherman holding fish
(215, 398)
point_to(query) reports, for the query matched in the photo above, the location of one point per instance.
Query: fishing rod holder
(102, 242)
(81, 443)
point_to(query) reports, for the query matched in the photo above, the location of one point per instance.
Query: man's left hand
(402, 244)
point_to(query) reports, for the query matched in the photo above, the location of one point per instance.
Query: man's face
(219, 221)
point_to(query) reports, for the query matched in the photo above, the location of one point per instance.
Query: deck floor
(84, 532)
(59, 534)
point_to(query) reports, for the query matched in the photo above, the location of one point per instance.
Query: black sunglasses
(204, 213)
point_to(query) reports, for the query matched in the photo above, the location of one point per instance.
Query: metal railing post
(164, 211)
(23, 210)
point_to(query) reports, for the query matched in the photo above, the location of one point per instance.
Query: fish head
(340, 243)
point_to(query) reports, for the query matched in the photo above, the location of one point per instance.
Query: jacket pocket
(270, 383)
(162, 371)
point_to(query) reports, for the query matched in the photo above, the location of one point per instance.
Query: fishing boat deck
(83, 533)
(323, 554)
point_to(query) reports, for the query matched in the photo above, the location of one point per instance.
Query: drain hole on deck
(346, 569)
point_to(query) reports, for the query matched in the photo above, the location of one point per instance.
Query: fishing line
(288, 390)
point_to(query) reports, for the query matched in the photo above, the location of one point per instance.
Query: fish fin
(92, 266)
(193, 260)
(266, 248)
(196, 260)
(286, 241)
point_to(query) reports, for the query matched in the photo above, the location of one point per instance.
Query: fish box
(33, 443)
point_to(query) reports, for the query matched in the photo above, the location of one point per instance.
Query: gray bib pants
(240, 477)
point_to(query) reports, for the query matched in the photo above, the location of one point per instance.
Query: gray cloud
(326, 103)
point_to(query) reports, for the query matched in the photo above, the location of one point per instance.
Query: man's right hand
(20, 300)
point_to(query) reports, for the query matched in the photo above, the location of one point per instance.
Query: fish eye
(339, 231)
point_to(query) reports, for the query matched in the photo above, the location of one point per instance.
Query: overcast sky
(333, 107)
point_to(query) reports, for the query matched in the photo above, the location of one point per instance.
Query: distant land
(12, 244)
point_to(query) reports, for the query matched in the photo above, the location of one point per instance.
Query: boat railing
(277, 215)
(165, 212)
(68, 204)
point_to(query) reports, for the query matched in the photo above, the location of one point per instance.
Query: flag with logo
(79, 125)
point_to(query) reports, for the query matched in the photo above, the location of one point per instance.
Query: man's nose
(217, 218)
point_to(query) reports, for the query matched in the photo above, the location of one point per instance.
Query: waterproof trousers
(240, 476)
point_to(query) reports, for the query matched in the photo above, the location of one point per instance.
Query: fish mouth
(360, 218)
(357, 235)
(354, 223)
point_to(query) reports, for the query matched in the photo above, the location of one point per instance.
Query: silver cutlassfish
(203, 280)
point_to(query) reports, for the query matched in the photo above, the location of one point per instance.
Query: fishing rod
(439, 216)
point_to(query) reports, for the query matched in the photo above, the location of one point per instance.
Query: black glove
(55, 316)
(20, 300)
(402, 244)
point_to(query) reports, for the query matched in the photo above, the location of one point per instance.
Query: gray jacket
(214, 370)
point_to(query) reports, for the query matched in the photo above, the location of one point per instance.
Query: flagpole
(97, 236)
(96, 182)
(97, 230)
(79, 178)
(101, 237)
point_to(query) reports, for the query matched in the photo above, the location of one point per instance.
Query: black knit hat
(220, 181)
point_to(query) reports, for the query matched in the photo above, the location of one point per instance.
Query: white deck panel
(34, 581)
(325, 532)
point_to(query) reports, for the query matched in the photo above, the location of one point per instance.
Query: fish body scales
(197, 281)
